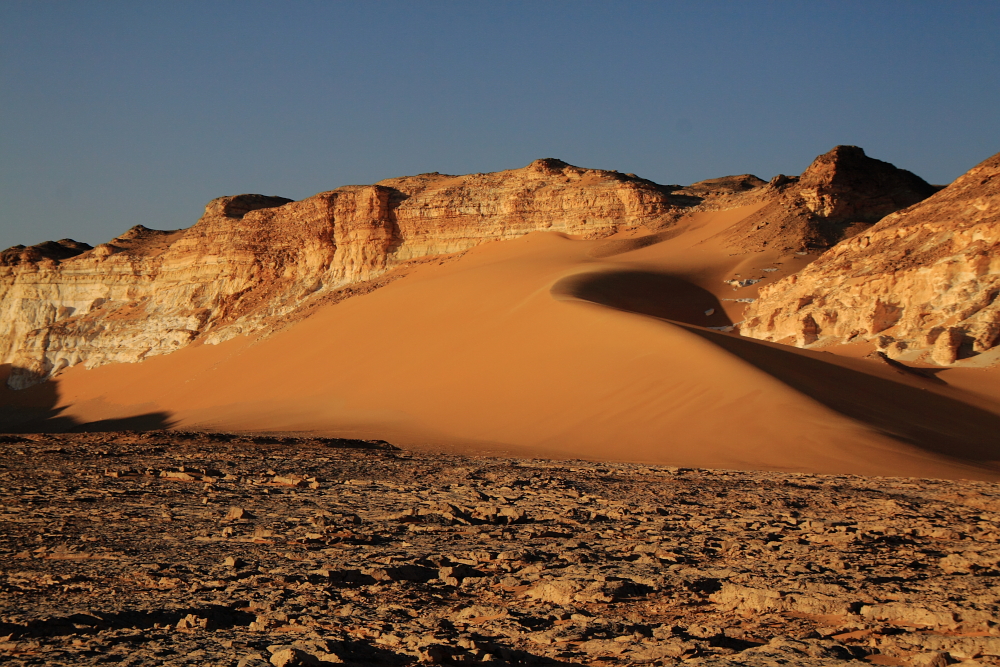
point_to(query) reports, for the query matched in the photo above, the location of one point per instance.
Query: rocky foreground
(170, 549)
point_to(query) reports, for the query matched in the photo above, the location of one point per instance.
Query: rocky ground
(184, 549)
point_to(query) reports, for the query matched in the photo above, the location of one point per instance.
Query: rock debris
(195, 549)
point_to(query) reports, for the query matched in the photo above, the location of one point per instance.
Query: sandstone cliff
(921, 284)
(251, 259)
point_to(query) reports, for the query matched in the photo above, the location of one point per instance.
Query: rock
(715, 567)
(927, 275)
(236, 513)
(180, 476)
(289, 656)
(839, 194)
(945, 350)
(191, 622)
(745, 598)
(932, 659)
(901, 613)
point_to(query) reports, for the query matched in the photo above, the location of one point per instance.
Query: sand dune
(552, 346)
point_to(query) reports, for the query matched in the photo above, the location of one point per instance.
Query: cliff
(251, 259)
(842, 193)
(921, 283)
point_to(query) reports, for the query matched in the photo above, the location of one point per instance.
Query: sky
(114, 114)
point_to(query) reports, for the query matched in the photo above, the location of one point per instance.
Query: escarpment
(921, 284)
(252, 260)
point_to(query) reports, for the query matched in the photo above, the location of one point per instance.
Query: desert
(593, 334)
(550, 415)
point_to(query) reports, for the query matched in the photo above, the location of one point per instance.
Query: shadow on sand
(33, 410)
(656, 294)
(907, 412)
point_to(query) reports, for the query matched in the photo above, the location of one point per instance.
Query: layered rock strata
(251, 260)
(921, 284)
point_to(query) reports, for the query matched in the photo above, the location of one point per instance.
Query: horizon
(121, 114)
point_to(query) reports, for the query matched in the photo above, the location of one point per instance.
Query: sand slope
(548, 345)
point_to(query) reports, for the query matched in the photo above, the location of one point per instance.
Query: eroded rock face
(842, 193)
(252, 259)
(923, 280)
(49, 251)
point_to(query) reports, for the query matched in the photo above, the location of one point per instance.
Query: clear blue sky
(119, 113)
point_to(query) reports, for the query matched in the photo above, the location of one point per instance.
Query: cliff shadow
(921, 417)
(647, 293)
(34, 410)
(396, 197)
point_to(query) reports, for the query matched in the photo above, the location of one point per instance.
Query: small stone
(236, 513)
(178, 476)
(252, 660)
(933, 659)
(191, 622)
(289, 656)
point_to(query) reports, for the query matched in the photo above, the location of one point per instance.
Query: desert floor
(193, 549)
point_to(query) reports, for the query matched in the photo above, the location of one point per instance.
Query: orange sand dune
(552, 346)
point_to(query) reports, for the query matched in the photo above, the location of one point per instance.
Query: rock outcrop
(48, 252)
(921, 284)
(251, 260)
(842, 193)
